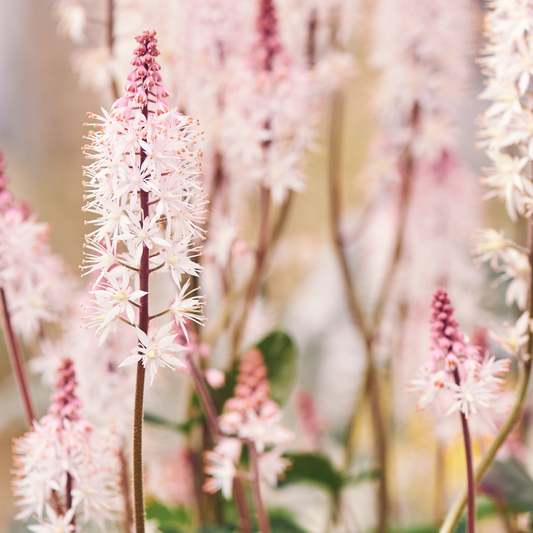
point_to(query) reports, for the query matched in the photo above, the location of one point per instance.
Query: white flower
(272, 465)
(55, 523)
(516, 268)
(515, 336)
(156, 350)
(489, 245)
(470, 396)
(116, 297)
(222, 471)
(264, 429)
(187, 307)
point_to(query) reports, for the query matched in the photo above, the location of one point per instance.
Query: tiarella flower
(63, 452)
(457, 374)
(55, 522)
(187, 307)
(514, 337)
(116, 297)
(145, 192)
(222, 471)
(471, 395)
(254, 418)
(515, 268)
(272, 466)
(35, 281)
(489, 245)
(507, 63)
(264, 429)
(156, 350)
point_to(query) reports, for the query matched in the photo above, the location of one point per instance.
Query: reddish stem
(17, 362)
(471, 514)
(262, 518)
(138, 414)
(207, 402)
(255, 281)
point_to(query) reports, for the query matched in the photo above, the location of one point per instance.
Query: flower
(61, 446)
(515, 336)
(55, 523)
(144, 188)
(457, 374)
(250, 416)
(156, 350)
(489, 245)
(222, 472)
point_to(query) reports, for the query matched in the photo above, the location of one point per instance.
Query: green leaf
(170, 519)
(282, 521)
(184, 427)
(281, 359)
(509, 483)
(315, 469)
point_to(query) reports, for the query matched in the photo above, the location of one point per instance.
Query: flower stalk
(262, 517)
(17, 362)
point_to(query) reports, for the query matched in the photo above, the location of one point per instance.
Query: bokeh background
(42, 109)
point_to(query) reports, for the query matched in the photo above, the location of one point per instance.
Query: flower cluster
(270, 112)
(457, 371)
(66, 470)
(33, 278)
(149, 206)
(420, 49)
(250, 416)
(506, 133)
(507, 122)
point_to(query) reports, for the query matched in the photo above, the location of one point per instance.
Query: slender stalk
(452, 518)
(257, 274)
(68, 497)
(262, 518)
(212, 424)
(471, 521)
(110, 30)
(242, 506)
(440, 483)
(17, 362)
(138, 414)
(356, 313)
(126, 494)
(207, 402)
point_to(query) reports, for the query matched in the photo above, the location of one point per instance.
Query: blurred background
(43, 107)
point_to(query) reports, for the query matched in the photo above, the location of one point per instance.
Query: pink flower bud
(215, 378)
(141, 97)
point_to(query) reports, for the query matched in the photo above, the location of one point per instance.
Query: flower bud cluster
(144, 81)
(251, 415)
(457, 370)
(145, 191)
(33, 278)
(67, 470)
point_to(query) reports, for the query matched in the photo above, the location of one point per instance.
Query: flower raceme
(66, 469)
(147, 198)
(32, 277)
(469, 379)
(507, 122)
(250, 416)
